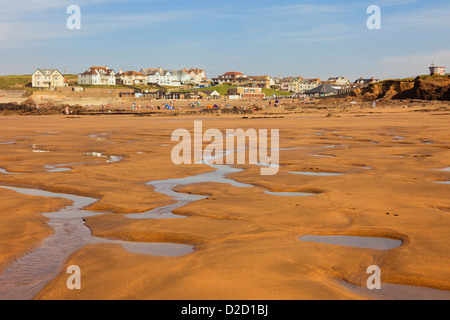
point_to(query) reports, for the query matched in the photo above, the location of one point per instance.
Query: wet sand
(246, 241)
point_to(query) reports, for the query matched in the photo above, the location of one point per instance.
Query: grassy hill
(21, 81)
(14, 82)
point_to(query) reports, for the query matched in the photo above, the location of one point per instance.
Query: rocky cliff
(422, 88)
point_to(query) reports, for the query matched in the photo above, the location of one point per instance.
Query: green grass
(87, 86)
(278, 93)
(21, 81)
(14, 82)
(223, 90)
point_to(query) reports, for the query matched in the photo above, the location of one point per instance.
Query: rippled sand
(246, 241)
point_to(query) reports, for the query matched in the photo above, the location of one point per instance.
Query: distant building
(232, 77)
(264, 82)
(294, 83)
(131, 78)
(175, 77)
(182, 76)
(247, 93)
(323, 91)
(160, 77)
(363, 82)
(307, 84)
(47, 78)
(435, 70)
(285, 83)
(338, 80)
(198, 76)
(98, 76)
(300, 85)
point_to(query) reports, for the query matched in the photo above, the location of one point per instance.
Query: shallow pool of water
(398, 292)
(4, 171)
(110, 159)
(151, 248)
(354, 241)
(323, 155)
(320, 174)
(27, 275)
(290, 194)
(56, 169)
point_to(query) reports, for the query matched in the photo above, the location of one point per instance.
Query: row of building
(172, 78)
(297, 85)
(48, 78)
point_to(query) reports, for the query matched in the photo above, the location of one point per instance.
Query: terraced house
(307, 84)
(174, 77)
(285, 83)
(294, 83)
(197, 76)
(98, 76)
(47, 78)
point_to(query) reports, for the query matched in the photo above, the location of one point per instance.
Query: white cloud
(306, 8)
(43, 20)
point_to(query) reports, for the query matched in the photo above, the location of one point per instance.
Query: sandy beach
(244, 241)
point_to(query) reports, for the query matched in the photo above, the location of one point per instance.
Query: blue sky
(311, 38)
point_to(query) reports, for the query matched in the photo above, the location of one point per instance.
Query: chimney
(106, 67)
(120, 71)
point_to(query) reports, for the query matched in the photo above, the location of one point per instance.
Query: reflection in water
(398, 292)
(353, 241)
(290, 194)
(320, 174)
(28, 274)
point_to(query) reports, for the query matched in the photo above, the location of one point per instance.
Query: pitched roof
(260, 78)
(322, 89)
(131, 73)
(43, 71)
(233, 73)
(98, 70)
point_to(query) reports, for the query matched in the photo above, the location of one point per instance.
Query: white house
(169, 77)
(435, 70)
(198, 76)
(308, 84)
(339, 80)
(182, 76)
(98, 76)
(161, 77)
(47, 78)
